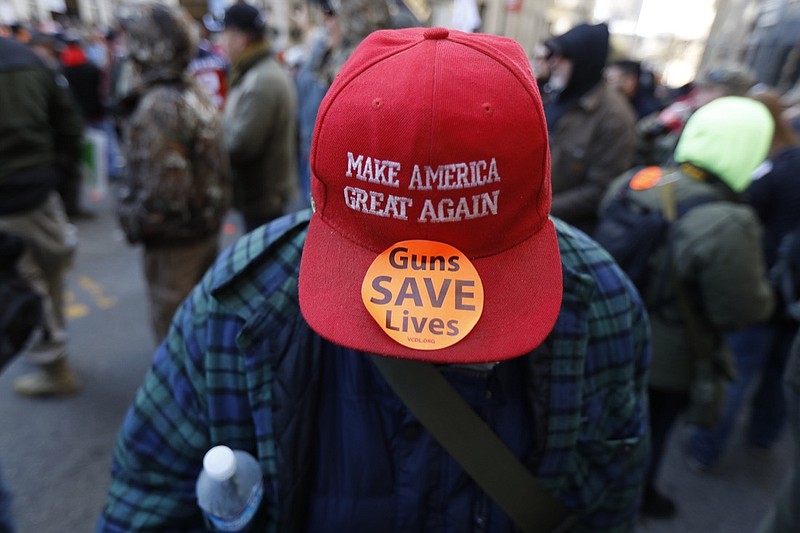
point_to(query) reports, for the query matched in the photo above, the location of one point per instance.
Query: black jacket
(40, 128)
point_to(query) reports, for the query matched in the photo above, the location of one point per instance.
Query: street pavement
(55, 454)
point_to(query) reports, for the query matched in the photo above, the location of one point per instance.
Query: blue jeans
(760, 351)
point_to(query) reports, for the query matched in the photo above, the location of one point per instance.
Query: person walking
(637, 85)
(86, 85)
(40, 133)
(784, 514)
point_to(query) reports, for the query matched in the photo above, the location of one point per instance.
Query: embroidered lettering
(454, 176)
(450, 210)
(373, 170)
(377, 203)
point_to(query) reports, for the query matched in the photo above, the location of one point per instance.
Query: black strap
(471, 442)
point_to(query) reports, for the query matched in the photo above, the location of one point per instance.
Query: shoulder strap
(695, 324)
(471, 442)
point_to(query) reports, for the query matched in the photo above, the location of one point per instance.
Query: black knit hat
(244, 17)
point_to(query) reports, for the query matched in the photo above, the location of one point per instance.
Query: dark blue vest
(351, 457)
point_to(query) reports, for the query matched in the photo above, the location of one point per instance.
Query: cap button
(436, 33)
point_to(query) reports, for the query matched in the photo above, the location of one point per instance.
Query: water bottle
(229, 489)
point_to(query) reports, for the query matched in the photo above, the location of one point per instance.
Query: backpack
(632, 233)
(177, 186)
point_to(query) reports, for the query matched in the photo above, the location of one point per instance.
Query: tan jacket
(590, 146)
(260, 135)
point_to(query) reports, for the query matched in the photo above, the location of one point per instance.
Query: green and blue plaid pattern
(210, 383)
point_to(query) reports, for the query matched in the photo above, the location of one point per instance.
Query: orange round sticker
(425, 295)
(646, 178)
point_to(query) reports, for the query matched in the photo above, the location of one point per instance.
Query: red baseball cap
(438, 137)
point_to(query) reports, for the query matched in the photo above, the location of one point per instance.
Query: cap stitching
(432, 117)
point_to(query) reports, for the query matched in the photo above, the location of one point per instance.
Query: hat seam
(433, 114)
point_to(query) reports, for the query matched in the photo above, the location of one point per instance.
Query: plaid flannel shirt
(211, 383)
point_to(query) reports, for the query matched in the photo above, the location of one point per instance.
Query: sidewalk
(731, 498)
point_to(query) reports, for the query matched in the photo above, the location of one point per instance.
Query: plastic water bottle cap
(219, 463)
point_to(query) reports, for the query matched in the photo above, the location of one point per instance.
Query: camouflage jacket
(357, 19)
(177, 177)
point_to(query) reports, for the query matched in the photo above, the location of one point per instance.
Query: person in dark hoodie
(84, 80)
(591, 126)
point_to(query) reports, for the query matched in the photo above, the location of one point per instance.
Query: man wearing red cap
(430, 246)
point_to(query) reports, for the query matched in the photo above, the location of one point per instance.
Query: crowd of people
(480, 173)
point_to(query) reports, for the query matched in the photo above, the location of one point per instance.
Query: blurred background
(676, 38)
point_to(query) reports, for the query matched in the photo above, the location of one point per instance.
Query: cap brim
(522, 298)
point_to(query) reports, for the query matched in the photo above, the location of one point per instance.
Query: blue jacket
(775, 196)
